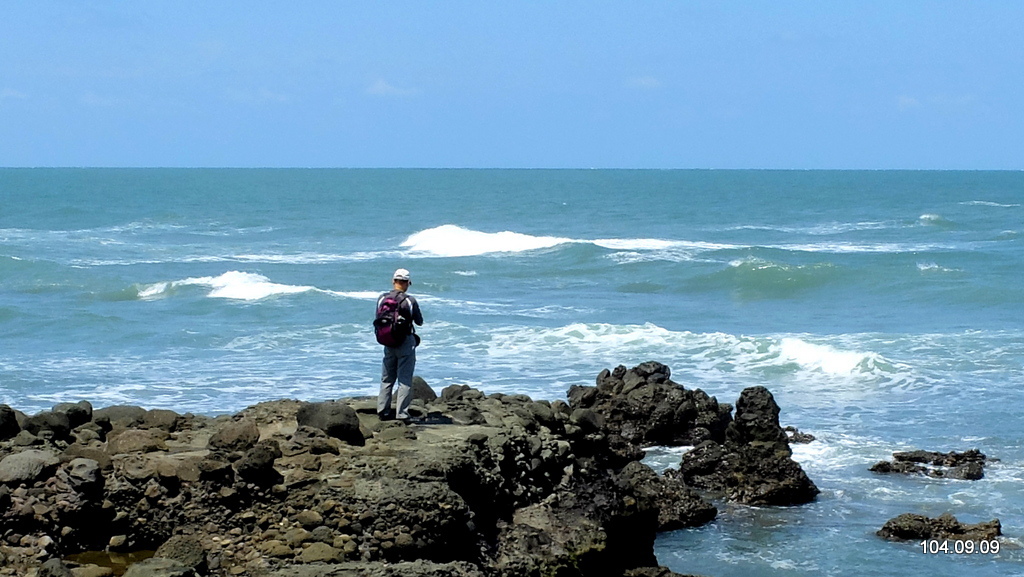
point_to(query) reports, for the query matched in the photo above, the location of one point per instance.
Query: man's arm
(417, 316)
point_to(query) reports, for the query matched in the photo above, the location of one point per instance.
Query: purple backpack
(389, 325)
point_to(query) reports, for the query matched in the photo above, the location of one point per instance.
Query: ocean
(883, 309)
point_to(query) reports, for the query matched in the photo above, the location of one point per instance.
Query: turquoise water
(883, 310)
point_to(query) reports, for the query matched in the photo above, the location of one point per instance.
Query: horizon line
(467, 168)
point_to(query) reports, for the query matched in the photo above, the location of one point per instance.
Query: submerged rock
(967, 466)
(910, 526)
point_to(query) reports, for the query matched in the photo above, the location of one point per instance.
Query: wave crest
(450, 240)
(230, 285)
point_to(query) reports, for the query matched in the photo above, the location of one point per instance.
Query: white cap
(401, 274)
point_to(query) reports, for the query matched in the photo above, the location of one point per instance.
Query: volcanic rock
(910, 526)
(27, 467)
(967, 466)
(754, 465)
(647, 408)
(9, 426)
(290, 489)
(78, 413)
(236, 436)
(334, 418)
(49, 424)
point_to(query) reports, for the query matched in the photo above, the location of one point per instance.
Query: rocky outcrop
(754, 464)
(945, 528)
(514, 487)
(967, 466)
(646, 407)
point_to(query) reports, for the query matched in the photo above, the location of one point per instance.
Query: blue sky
(703, 84)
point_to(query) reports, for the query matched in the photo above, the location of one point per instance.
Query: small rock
(275, 548)
(159, 567)
(319, 553)
(54, 568)
(309, 519)
(186, 550)
(92, 571)
(236, 436)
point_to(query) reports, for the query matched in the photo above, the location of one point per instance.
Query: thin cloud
(905, 102)
(946, 103)
(382, 87)
(261, 96)
(93, 99)
(644, 82)
(11, 94)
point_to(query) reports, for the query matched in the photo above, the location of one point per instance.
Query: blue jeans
(399, 364)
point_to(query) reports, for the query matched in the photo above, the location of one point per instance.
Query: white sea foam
(989, 203)
(454, 241)
(662, 458)
(824, 358)
(820, 229)
(857, 248)
(715, 361)
(933, 267)
(361, 295)
(495, 308)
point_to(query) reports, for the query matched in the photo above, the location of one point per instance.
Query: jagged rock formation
(754, 464)
(646, 407)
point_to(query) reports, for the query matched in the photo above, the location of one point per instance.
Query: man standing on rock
(396, 313)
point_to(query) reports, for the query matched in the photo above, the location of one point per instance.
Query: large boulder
(27, 467)
(124, 416)
(336, 419)
(754, 465)
(136, 440)
(51, 424)
(9, 426)
(422, 391)
(78, 413)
